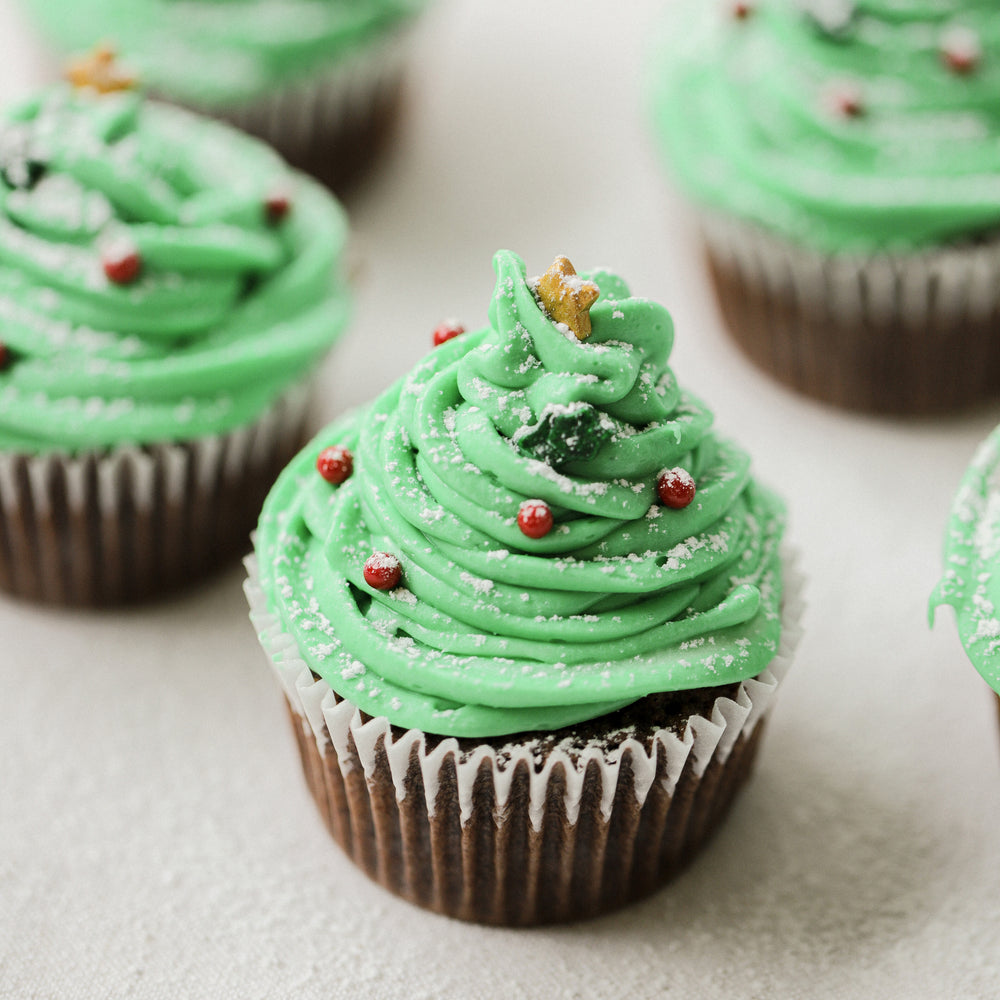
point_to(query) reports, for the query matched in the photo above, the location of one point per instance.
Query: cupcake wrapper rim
(108, 525)
(338, 721)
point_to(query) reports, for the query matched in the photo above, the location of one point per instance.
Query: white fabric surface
(156, 838)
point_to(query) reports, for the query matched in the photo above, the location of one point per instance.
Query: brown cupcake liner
(122, 525)
(902, 334)
(494, 835)
(334, 125)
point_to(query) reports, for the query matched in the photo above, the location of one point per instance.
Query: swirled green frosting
(751, 117)
(213, 53)
(228, 309)
(492, 632)
(971, 580)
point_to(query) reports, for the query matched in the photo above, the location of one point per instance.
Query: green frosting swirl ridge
(746, 111)
(971, 581)
(229, 309)
(213, 53)
(492, 632)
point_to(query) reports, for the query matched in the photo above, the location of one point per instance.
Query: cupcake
(320, 80)
(971, 580)
(528, 611)
(167, 288)
(845, 158)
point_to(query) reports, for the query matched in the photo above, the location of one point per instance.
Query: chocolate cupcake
(971, 580)
(319, 80)
(845, 162)
(528, 611)
(167, 287)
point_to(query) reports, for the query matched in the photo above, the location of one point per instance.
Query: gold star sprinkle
(99, 71)
(566, 297)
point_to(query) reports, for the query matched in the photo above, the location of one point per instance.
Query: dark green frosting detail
(228, 310)
(562, 437)
(492, 632)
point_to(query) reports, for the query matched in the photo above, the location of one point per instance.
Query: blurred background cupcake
(845, 157)
(320, 80)
(168, 287)
(529, 611)
(971, 581)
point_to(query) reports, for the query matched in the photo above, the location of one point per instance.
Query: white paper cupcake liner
(112, 526)
(897, 333)
(485, 835)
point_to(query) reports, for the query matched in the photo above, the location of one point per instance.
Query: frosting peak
(582, 408)
(502, 623)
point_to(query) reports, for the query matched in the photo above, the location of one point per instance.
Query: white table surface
(156, 837)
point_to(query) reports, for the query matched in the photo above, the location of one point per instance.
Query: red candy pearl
(121, 265)
(383, 571)
(335, 464)
(961, 50)
(741, 11)
(845, 100)
(676, 488)
(277, 205)
(960, 62)
(448, 330)
(534, 518)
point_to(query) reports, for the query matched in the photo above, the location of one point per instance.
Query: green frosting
(214, 53)
(747, 111)
(228, 310)
(971, 581)
(492, 632)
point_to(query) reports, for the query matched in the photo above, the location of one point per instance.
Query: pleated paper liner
(335, 125)
(122, 525)
(547, 830)
(899, 334)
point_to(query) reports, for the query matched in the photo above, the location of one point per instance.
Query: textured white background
(156, 839)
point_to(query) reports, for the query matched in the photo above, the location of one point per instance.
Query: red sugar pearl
(534, 518)
(741, 11)
(277, 205)
(335, 464)
(448, 330)
(676, 488)
(845, 100)
(961, 50)
(383, 571)
(121, 264)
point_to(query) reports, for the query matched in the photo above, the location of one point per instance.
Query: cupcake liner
(906, 333)
(497, 836)
(331, 125)
(120, 525)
